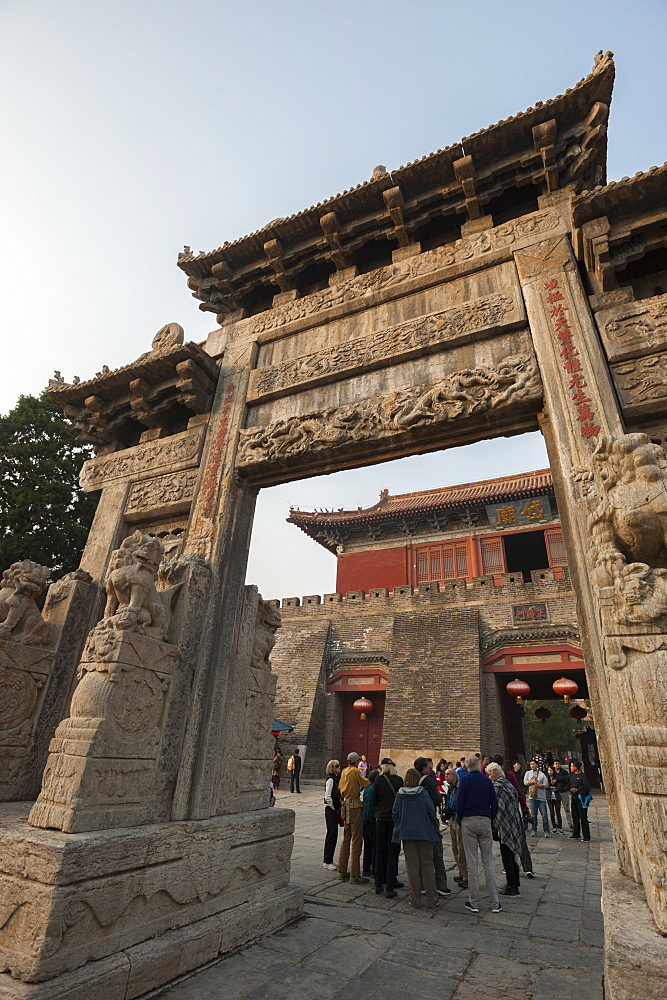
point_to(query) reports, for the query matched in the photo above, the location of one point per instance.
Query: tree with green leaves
(44, 515)
(558, 731)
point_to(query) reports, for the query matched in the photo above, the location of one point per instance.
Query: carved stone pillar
(170, 721)
(38, 658)
(219, 532)
(612, 500)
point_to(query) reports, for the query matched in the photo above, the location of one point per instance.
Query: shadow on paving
(354, 945)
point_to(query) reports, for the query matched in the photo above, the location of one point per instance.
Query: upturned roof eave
(625, 196)
(497, 139)
(312, 521)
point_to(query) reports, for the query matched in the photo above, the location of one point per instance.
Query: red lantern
(363, 706)
(578, 712)
(518, 689)
(566, 688)
(542, 714)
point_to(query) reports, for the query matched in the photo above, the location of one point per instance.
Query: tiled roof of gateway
(490, 143)
(389, 507)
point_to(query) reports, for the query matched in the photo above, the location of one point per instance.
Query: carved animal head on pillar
(629, 524)
(20, 618)
(268, 623)
(133, 602)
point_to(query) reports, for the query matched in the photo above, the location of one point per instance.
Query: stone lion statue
(20, 618)
(133, 601)
(267, 624)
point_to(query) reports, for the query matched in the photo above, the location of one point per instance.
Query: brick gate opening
(348, 685)
(363, 735)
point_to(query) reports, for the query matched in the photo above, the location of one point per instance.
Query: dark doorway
(525, 551)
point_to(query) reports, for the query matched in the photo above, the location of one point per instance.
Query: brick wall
(298, 662)
(438, 700)
(433, 695)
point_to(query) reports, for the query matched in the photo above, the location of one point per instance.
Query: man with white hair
(476, 807)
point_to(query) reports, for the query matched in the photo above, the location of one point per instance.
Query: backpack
(290, 764)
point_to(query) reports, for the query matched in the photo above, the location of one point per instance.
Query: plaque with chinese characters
(529, 613)
(519, 512)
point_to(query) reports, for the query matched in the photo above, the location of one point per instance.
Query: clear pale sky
(131, 128)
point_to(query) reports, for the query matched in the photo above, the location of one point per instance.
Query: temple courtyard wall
(431, 642)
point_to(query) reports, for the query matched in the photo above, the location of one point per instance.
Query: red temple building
(491, 527)
(442, 597)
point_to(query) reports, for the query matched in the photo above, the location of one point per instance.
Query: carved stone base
(635, 953)
(135, 908)
(102, 766)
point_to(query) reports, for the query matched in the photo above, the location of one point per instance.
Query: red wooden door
(363, 735)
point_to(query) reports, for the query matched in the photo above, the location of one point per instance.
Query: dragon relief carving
(645, 321)
(387, 345)
(180, 448)
(642, 379)
(162, 492)
(461, 394)
(20, 618)
(627, 488)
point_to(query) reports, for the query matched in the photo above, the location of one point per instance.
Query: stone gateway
(494, 287)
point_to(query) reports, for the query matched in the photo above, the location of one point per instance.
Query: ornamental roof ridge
(113, 379)
(624, 181)
(604, 62)
(603, 71)
(359, 656)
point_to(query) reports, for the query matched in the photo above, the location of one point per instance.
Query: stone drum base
(129, 910)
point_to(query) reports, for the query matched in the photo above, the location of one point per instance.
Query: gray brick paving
(354, 945)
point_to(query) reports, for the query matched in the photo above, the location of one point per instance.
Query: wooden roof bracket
(222, 273)
(597, 255)
(331, 229)
(544, 138)
(274, 254)
(393, 199)
(464, 171)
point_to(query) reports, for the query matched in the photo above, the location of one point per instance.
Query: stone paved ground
(354, 945)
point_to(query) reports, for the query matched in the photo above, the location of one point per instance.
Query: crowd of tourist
(477, 799)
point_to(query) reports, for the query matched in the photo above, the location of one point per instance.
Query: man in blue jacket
(476, 807)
